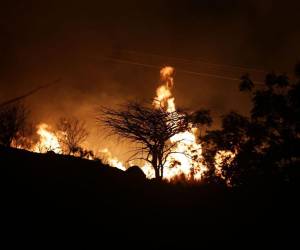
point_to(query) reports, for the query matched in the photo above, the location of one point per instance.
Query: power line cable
(31, 92)
(190, 61)
(125, 61)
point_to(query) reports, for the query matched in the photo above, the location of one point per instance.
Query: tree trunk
(155, 166)
(161, 172)
(157, 174)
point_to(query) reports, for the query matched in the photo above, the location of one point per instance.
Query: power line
(190, 61)
(31, 92)
(125, 61)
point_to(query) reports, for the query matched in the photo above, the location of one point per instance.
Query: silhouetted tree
(71, 134)
(25, 137)
(13, 120)
(201, 118)
(235, 136)
(150, 128)
(267, 144)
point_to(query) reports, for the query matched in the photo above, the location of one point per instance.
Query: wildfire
(187, 156)
(186, 159)
(48, 140)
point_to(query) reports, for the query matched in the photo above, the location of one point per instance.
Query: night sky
(74, 40)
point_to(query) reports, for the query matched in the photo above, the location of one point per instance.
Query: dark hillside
(51, 197)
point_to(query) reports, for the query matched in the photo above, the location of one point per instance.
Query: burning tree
(13, 120)
(151, 128)
(166, 137)
(72, 133)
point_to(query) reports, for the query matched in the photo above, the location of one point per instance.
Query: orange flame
(187, 156)
(112, 161)
(48, 140)
(164, 97)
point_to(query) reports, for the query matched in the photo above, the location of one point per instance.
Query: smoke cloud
(42, 41)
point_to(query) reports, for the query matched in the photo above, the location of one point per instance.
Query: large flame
(187, 156)
(164, 97)
(48, 140)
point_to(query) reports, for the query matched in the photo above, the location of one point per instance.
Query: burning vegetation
(48, 141)
(165, 140)
(167, 143)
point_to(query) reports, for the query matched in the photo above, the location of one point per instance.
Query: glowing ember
(48, 140)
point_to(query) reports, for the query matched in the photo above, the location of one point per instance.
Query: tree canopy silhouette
(150, 128)
(266, 144)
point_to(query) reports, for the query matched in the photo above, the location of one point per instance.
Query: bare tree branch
(71, 133)
(149, 127)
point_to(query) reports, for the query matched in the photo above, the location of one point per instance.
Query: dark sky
(44, 40)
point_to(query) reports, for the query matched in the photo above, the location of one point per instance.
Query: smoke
(71, 40)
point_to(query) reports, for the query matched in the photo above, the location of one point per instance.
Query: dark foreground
(49, 198)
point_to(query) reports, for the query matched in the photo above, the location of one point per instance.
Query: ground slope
(52, 197)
